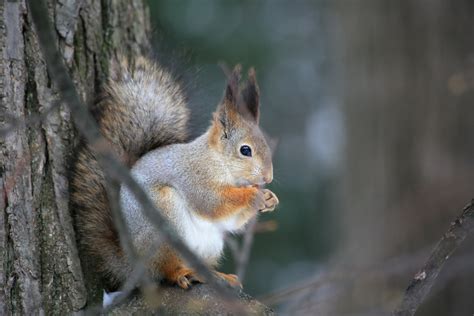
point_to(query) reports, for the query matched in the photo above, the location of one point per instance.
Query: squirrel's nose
(267, 173)
(268, 177)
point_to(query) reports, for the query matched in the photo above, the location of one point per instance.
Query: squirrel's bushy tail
(142, 108)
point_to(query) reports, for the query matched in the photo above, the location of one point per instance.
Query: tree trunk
(40, 271)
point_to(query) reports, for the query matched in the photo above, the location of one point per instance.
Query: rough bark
(39, 266)
(200, 300)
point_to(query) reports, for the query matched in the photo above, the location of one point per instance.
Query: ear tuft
(227, 116)
(251, 95)
(252, 76)
(232, 89)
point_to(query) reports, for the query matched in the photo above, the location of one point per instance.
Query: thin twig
(137, 276)
(128, 287)
(395, 266)
(241, 253)
(310, 298)
(13, 122)
(423, 281)
(139, 273)
(111, 166)
(266, 226)
(233, 245)
(113, 194)
(244, 255)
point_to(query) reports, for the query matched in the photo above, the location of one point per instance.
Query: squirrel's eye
(246, 151)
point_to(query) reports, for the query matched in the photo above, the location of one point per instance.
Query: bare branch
(139, 273)
(266, 226)
(305, 293)
(241, 253)
(423, 281)
(244, 255)
(393, 267)
(13, 122)
(233, 245)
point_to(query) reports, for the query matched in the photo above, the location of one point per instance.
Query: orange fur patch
(172, 269)
(165, 263)
(233, 200)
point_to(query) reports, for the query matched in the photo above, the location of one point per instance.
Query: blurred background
(372, 106)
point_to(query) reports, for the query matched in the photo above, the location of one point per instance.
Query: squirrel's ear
(251, 95)
(227, 114)
(231, 93)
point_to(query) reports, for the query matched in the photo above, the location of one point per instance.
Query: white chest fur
(203, 237)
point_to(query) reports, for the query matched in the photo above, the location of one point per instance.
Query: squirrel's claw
(183, 282)
(184, 278)
(231, 279)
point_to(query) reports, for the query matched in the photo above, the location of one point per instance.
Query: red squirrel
(205, 187)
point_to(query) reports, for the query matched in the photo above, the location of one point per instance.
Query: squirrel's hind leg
(167, 266)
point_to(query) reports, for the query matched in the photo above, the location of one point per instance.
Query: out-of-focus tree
(406, 86)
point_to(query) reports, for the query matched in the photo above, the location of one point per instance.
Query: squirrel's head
(235, 132)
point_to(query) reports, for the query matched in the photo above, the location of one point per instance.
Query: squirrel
(204, 187)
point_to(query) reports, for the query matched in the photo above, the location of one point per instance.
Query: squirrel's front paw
(271, 201)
